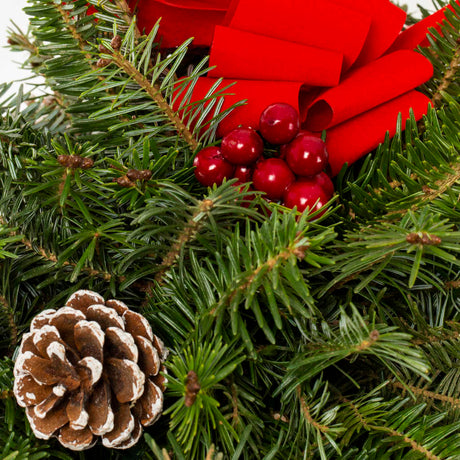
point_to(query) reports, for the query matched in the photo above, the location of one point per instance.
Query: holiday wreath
(242, 245)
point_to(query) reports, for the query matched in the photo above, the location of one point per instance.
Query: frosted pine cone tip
(90, 370)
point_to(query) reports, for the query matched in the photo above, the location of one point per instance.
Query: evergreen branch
(447, 78)
(20, 41)
(392, 419)
(296, 248)
(361, 419)
(429, 194)
(307, 414)
(442, 185)
(51, 257)
(82, 43)
(354, 336)
(189, 232)
(408, 440)
(208, 363)
(387, 247)
(154, 91)
(430, 395)
(312, 421)
(441, 337)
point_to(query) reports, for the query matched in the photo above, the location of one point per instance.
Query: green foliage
(334, 337)
(353, 337)
(196, 415)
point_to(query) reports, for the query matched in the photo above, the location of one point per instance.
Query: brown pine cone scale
(89, 371)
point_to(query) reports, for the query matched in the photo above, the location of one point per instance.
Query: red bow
(181, 19)
(345, 64)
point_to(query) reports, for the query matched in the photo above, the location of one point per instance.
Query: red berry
(243, 174)
(302, 132)
(325, 182)
(279, 123)
(272, 176)
(306, 155)
(305, 193)
(211, 167)
(242, 146)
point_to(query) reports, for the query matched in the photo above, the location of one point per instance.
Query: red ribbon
(181, 19)
(344, 64)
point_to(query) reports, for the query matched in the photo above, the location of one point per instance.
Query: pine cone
(89, 370)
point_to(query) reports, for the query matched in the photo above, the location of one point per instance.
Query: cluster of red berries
(295, 177)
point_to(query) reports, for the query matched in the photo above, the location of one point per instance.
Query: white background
(12, 10)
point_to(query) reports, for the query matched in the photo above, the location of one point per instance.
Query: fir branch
(441, 337)
(429, 193)
(82, 43)
(211, 362)
(154, 91)
(51, 257)
(191, 228)
(392, 422)
(430, 395)
(362, 420)
(354, 336)
(297, 248)
(442, 185)
(307, 414)
(447, 78)
(19, 40)
(407, 439)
